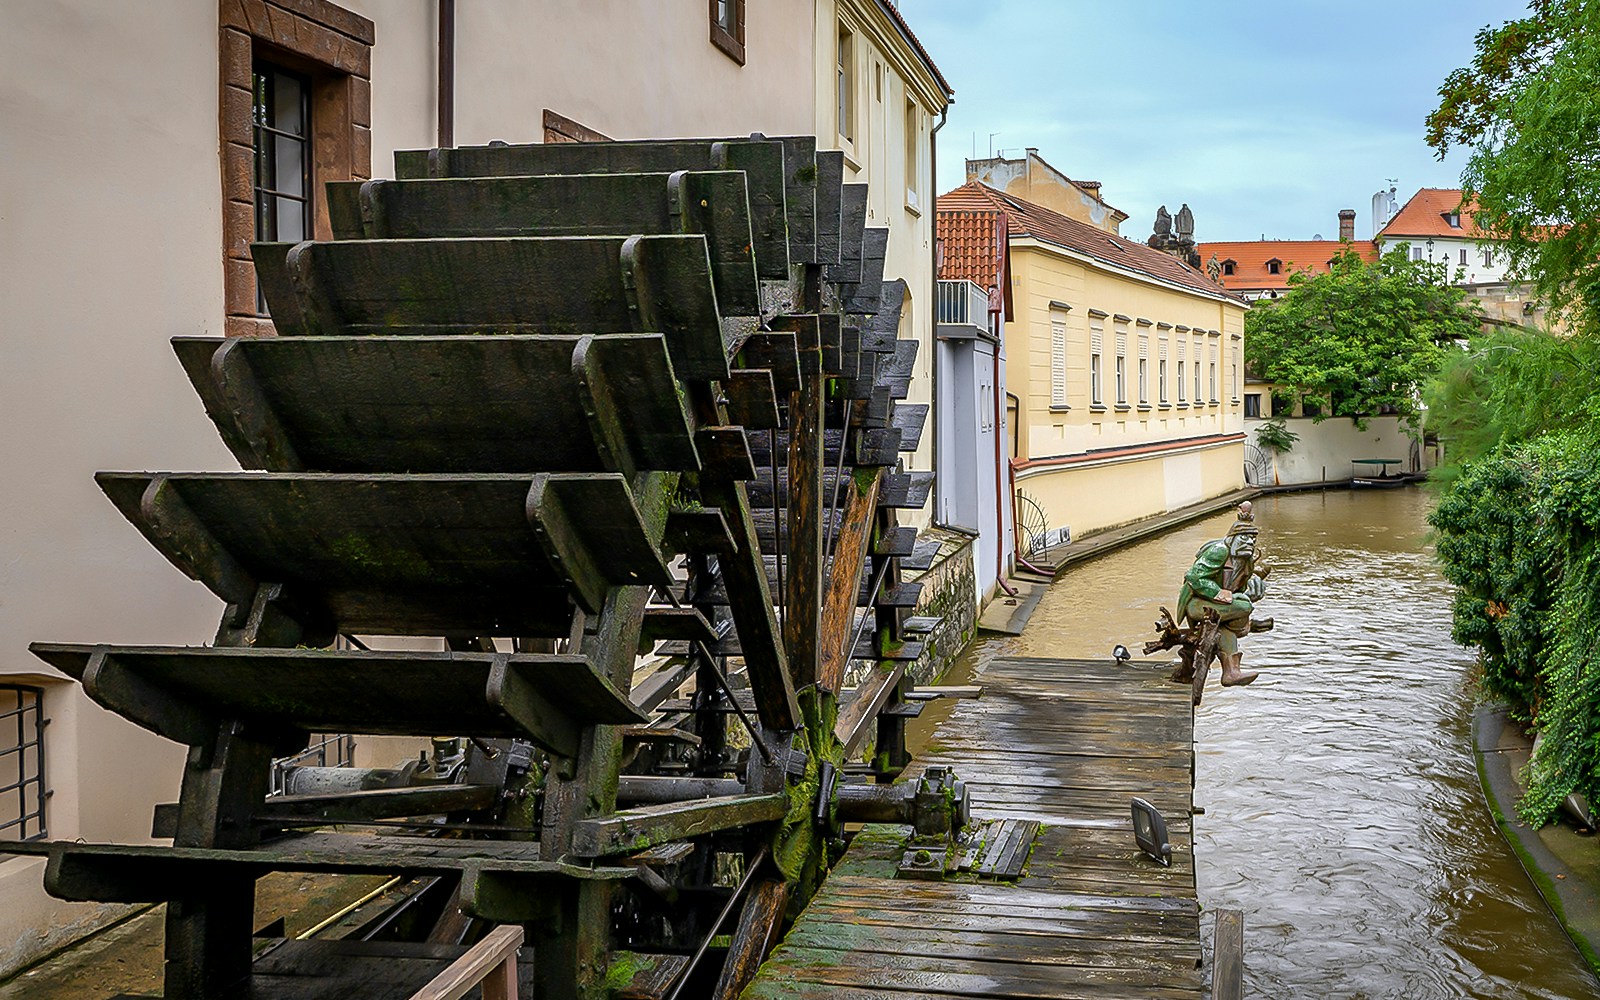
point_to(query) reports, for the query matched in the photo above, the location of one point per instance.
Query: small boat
(1378, 482)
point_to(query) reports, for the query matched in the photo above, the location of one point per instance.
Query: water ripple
(1343, 809)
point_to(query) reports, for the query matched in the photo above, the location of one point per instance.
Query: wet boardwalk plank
(1065, 742)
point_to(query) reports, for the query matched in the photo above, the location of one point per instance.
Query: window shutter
(1058, 363)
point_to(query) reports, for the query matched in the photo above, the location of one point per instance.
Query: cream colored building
(127, 205)
(1125, 371)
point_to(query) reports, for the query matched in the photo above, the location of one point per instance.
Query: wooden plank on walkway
(1066, 743)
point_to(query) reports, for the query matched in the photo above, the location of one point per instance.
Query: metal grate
(22, 789)
(1030, 517)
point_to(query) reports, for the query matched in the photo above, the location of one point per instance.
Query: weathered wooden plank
(1086, 919)
(858, 499)
(1170, 953)
(709, 203)
(1227, 982)
(760, 920)
(852, 231)
(830, 204)
(856, 717)
(777, 351)
(152, 873)
(900, 370)
(554, 285)
(391, 554)
(752, 400)
(186, 692)
(803, 561)
(443, 404)
(909, 420)
(378, 803)
(637, 829)
(491, 962)
(676, 623)
(761, 160)
(865, 296)
(906, 490)
(745, 580)
(594, 535)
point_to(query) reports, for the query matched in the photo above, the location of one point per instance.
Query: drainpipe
(1011, 476)
(999, 487)
(447, 73)
(933, 299)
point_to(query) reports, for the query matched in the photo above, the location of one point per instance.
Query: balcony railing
(963, 302)
(962, 311)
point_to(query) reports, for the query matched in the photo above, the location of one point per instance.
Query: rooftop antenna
(991, 144)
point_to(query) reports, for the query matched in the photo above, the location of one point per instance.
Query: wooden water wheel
(535, 411)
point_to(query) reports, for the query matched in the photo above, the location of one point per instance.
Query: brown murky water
(1343, 812)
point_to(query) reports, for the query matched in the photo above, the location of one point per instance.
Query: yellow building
(1125, 371)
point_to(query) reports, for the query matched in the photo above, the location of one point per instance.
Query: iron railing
(962, 302)
(23, 793)
(1032, 525)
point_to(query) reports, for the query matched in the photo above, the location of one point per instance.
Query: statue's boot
(1232, 676)
(1184, 673)
(1261, 624)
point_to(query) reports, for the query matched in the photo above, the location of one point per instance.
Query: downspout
(933, 299)
(999, 487)
(447, 73)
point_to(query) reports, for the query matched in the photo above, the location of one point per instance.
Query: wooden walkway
(1065, 742)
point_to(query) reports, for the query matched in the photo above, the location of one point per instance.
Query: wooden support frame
(647, 826)
(491, 962)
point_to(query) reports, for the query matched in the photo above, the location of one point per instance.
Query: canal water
(1343, 811)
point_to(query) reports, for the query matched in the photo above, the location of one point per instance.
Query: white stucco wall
(110, 243)
(1324, 450)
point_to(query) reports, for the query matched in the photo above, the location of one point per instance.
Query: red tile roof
(1024, 218)
(972, 246)
(1424, 215)
(1250, 259)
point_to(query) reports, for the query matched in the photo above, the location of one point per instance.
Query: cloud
(1264, 117)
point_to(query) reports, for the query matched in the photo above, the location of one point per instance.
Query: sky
(1266, 118)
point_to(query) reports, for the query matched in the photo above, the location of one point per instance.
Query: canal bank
(1563, 863)
(1344, 814)
(1008, 615)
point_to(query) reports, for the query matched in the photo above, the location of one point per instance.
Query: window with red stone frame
(329, 50)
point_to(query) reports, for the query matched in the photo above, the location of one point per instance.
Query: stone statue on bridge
(1215, 605)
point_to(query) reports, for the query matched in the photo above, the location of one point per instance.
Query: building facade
(1124, 374)
(1437, 225)
(147, 145)
(1260, 269)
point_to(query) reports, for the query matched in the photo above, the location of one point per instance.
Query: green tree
(1529, 109)
(1359, 339)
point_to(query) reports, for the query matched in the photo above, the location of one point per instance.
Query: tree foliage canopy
(1359, 339)
(1529, 109)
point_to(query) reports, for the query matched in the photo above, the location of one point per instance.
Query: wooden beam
(492, 962)
(647, 826)
(856, 718)
(759, 923)
(802, 609)
(858, 501)
(1227, 975)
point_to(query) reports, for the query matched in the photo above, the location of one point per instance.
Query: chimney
(1347, 225)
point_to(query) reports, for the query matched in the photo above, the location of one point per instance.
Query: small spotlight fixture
(1150, 832)
(1121, 653)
